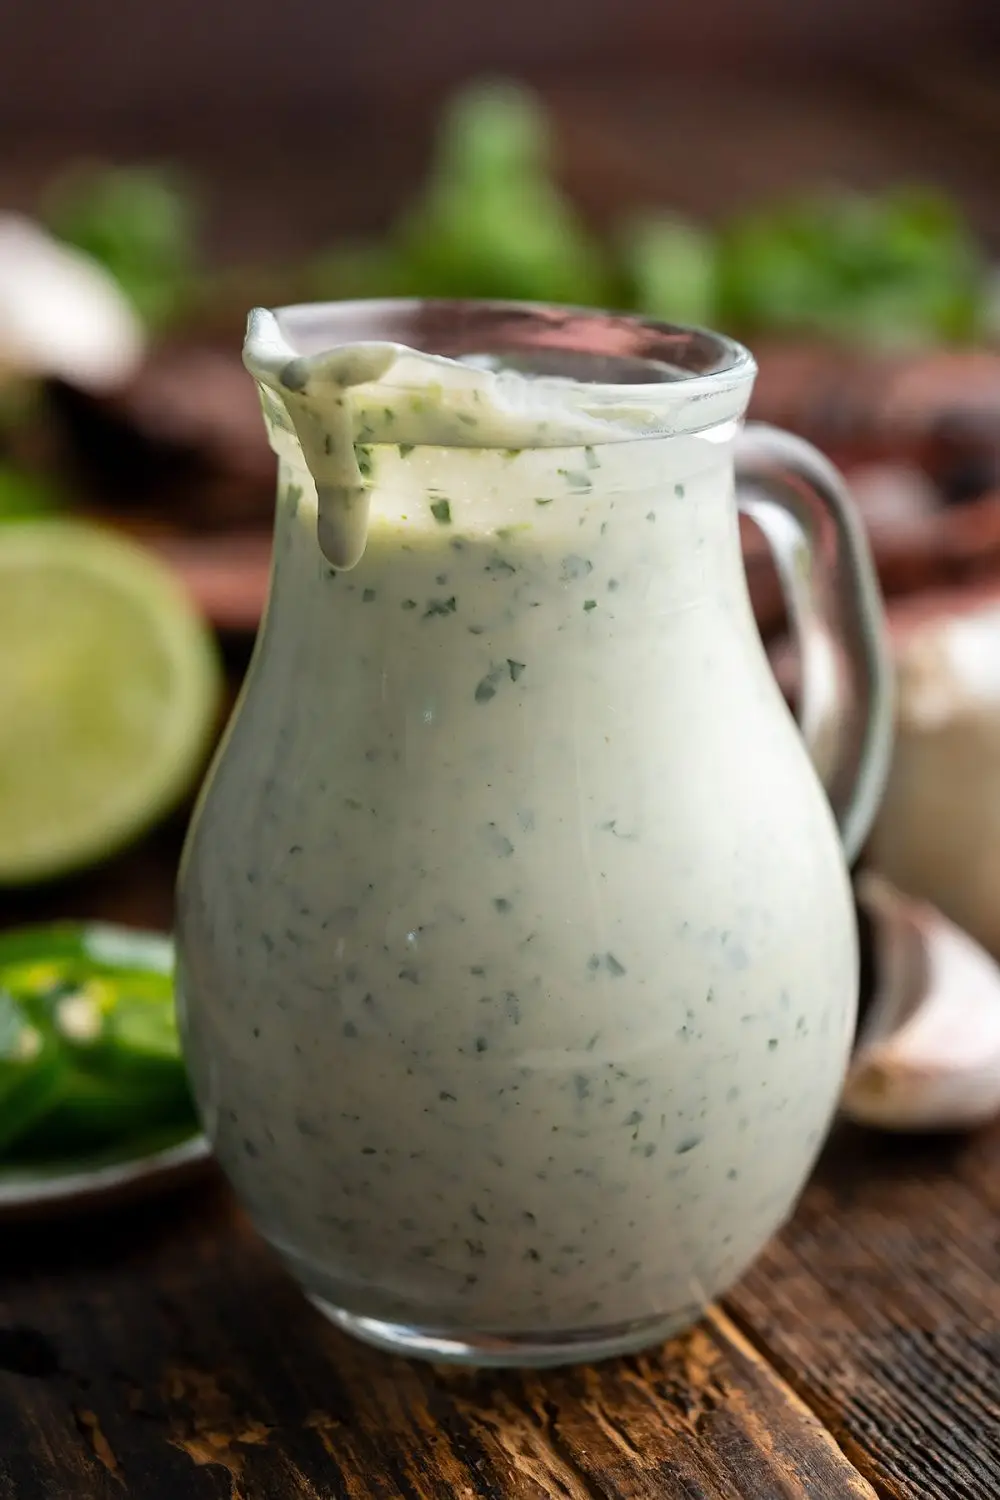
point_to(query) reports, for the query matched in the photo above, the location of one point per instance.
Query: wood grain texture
(161, 1353)
(164, 1355)
(880, 1305)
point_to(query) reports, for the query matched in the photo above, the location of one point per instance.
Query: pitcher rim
(697, 352)
(665, 378)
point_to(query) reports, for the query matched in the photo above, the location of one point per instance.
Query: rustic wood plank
(701, 1416)
(163, 1354)
(880, 1305)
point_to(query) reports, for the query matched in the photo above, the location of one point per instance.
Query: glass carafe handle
(805, 512)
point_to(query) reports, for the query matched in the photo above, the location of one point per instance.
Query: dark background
(305, 118)
(115, 64)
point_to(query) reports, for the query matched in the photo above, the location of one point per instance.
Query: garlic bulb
(928, 1053)
(61, 314)
(937, 834)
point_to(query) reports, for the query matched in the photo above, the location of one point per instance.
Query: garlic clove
(928, 1053)
(61, 314)
(937, 833)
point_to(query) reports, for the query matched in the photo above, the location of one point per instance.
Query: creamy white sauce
(518, 963)
(337, 403)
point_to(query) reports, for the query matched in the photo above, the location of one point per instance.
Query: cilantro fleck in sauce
(517, 955)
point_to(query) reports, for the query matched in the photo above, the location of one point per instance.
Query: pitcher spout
(310, 419)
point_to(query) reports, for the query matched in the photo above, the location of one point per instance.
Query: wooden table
(159, 1352)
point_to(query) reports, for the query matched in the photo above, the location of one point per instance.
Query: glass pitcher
(517, 954)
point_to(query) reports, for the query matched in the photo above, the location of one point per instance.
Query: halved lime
(109, 687)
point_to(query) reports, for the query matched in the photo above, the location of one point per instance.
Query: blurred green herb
(23, 496)
(356, 268)
(895, 268)
(491, 220)
(901, 267)
(140, 223)
(670, 267)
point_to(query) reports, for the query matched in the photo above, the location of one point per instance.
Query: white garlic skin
(927, 1055)
(61, 314)
(937, 834)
